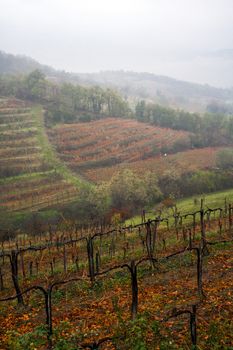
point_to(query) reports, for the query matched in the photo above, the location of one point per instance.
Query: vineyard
(111, 141)
(29, 177)
(37, 164)
(186, 161)
(99, 149)
(165, 283)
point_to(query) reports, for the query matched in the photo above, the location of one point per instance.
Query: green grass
(211, 200)
(49, 157)
(28, 176)
(16, 219)
(189, 205)
(49, 153)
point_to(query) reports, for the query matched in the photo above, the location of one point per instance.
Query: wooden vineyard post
(51, 267)
(208, 219)
(180, 222)
(112, 248)
(1, 280)
(203, 233)
(194, 226)
(154, 237)
(192, 322)
(176, 218)
(225, 216)
(141, 239)
(54, 262)
(202, 221)
(134, 287)
(22, 264)
(143, 216)
(64, 259)
(100, 245)
(199, 252)
(97, 262)
(91, 263)
(230, 217)
(134, 284)
(14, 275)
(184, 234)
(132, 268)
(193, 325)
(150, 242)
(220, 225)
(225, 206)
(164, 244)
(190, 238)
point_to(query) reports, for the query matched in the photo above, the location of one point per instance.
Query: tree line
(65, 102)
(126, 193)
(210, 129)
(68, 103)
(123, 196)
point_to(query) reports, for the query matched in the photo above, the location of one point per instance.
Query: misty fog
(186, 39)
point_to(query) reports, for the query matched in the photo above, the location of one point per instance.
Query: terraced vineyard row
(190, 160)
(99, 149)
(111, 141)
(29, 179)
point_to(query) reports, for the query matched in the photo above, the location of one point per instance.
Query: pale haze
(185, 39)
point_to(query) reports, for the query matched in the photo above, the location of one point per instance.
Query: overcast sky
(185, 39)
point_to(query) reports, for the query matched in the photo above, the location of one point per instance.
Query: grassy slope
(49, 153)
(191, 204)
(55, 168)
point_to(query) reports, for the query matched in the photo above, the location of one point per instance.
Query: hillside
(111, 141)
(99, 149)
(31, 177)
(161, 89)
(57, 139)
(179, 163)
(154, 88)
(20, 65)
(11, 64)
(41, 168)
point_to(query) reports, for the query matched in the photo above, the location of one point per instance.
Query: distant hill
(134, 86)
(161, 89)
(18, 64)
(11, 64)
